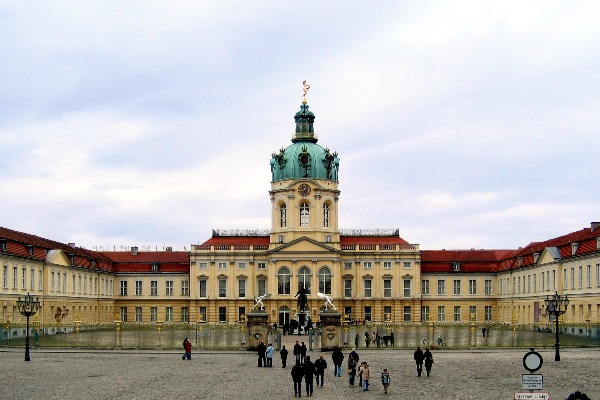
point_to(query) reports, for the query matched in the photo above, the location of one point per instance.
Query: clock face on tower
(304, 190)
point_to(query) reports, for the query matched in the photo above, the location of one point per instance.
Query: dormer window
(456, 266)
(72, 258)
(3, 245)
(29, 249)
(536, 257)
(519, 261)
(597, 243)
(155, 267)
(280, 239)
(574, 247)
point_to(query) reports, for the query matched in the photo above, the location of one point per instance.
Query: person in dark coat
(352, 362)
(261, 349)
(309, 372)
(302, 352)
(187, 346)
(428, 361)
(283, 353)
(320, 366)
(297, 374)
(338, 358)
(419, 357)
(297, 351)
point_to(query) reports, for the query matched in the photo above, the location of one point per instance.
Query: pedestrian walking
(366, 375)
(428, 361)
(418, 356)
(283, 353)
(187, 347)
(367, 339)
(359, 373)
(320, 366)
(302, 352)
(269, 353)
(385, 380)
(297, 374)
(297, 350)
(338, 358)
(351, 369)
(309, 373)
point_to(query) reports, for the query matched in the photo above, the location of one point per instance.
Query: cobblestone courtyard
(489, 374)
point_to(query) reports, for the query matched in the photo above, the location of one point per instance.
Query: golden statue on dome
(305, 87)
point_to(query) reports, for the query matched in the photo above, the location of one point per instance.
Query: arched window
(304, 279)
(325, 280)
(325, 215)
(283, 215)
(283, 281)
(304, 214)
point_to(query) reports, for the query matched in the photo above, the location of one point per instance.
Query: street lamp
(28, 307)
(556, 305)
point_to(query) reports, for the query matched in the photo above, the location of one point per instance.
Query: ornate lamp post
(556, 305)
(28, 307)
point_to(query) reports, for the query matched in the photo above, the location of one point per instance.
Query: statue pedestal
(330, 329)
(258, 323)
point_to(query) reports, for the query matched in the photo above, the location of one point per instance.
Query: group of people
(423, 358)
(309, 371)
(265, 354)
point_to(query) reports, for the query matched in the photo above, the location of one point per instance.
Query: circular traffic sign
(532, 361)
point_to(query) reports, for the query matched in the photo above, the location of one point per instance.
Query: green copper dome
(304, 158)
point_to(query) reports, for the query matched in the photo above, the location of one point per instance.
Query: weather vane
(305, 87)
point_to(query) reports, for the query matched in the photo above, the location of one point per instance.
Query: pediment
(303, 245)
(549, 255)
(57, 257)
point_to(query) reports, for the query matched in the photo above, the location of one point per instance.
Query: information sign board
(533, 381)
(532, 396)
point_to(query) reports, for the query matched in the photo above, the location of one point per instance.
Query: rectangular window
(387, 288)
(32, 279)
(169, 288)
(580, 277)
(348, 311)
(202, 313)
(185, 287)
(473, 313)
(262, 287)
(24, 278)
(441, 287)
(425, 313)
(138, 288)
(598, 275)
(203, 265)
(367, 283)
(153, 314)
(79, 284)
(241, 311)
(407, 287)
(407, 313)
(542, 282)
(40, 280)
(169, 314)
(368, 313)
(456, 288)
(456, 313)
(441, 313)
(534, 283)
(123, 314)
(222, 265)
(367, 265)
(202, 291)
(347, 265)
(406, 264)
(123, 288)
(5, 277)
(222, 287)
(262, 266)
(387, 313)
(589, 276)
(425, 287)
(242, 265)
(138, 314)
(387, 265)
(472, 286)
(487, 287)
(222, 314)
(185, 314)
(348, 288)
(153, 288)
(572, 277)
(488, 313)
(242, 288)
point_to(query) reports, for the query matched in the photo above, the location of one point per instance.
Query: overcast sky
(463, 124)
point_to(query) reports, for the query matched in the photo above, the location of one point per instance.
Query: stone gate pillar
(330, 329)
(257, 323)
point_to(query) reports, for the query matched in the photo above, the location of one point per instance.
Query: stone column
(257, 331)
(330, 329)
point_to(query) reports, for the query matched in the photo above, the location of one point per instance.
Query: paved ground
(487, 374)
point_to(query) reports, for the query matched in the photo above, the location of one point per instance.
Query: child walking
(385, 380)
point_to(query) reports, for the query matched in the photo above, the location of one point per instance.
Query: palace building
(371, 274)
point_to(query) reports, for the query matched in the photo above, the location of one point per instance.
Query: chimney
(134, 250)
(594, 226)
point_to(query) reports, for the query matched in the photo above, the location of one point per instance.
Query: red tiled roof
(471, 261)
(142, 261)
